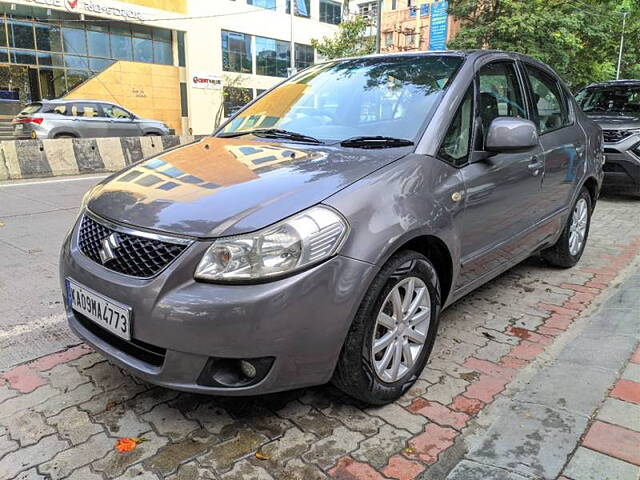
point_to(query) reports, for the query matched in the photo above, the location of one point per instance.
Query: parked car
(318, 234)
(615, 106)
(82, 119)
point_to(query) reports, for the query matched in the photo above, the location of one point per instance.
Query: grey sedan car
(615, 106)
(82, 119)
(318, 234)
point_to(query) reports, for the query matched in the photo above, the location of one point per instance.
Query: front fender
(409, 198)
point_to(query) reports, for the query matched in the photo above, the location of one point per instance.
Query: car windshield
(388, 96)
(620, 100)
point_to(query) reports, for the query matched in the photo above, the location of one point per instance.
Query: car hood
(227, 186)
(614, 121)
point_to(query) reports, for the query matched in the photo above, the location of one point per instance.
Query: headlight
(297, 242)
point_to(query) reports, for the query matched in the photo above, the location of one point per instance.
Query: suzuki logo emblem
(108, 247)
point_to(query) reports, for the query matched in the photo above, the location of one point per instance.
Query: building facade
(188, 63)
(416, 25)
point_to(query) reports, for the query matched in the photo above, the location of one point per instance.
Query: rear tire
(401, 309)
(570, 246)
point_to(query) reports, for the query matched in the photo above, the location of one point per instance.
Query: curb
(22, 159)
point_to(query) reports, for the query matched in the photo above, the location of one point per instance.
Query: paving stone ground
(61, 415)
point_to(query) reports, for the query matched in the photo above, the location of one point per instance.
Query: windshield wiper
(375, 142)
(272, 133)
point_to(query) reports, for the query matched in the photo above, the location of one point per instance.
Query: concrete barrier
(71, 156)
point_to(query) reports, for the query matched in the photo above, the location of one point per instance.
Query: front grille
(134, 255)
(142, 351)
(615, 136)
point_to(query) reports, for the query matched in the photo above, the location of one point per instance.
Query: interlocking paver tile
(309, 419)
(292, 444)
(247, 471)
(27, 427)
(74, 425)
(84, 473)
(326, 452)
(191, 471)
(23, 402)
(399, 417)
(7, 445)
(169, 457)
(624, 414)
(116, 463)
(69, 460)
(614, 441)
(27, 457)
(353, 417)
(64, 377)
(590, 465)
(170, 422)
(223, 455)
(377, 449)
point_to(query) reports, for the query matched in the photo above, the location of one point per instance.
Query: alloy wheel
(401, 329)
(578, 227)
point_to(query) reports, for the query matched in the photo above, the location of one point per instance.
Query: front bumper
(622, 166)
(299, 321)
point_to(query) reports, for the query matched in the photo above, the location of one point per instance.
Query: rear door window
(85, 110)
(113, 111)
(549, 108)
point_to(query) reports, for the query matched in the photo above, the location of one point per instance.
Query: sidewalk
(547, 411)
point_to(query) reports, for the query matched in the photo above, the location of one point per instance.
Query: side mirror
(508, 134)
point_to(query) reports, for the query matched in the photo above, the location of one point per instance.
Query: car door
(562, 140)
(87, 120)
(121, 122)
(502, 190)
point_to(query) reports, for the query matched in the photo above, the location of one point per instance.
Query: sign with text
(94, 7)
(207, 81)
(439, 23)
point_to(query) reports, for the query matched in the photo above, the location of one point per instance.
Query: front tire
(570, 246)
(393, 332)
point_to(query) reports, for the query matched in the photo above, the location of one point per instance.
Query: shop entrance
(18, 86)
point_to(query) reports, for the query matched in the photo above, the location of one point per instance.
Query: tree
(579, 40)
(352, 39)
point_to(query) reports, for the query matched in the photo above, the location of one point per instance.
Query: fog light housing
(234, 372)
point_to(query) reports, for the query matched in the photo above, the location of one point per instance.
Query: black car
(615, 106)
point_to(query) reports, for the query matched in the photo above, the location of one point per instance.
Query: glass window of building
(74, 41)
(3, 33)
(304, 56)
(20, 34)
(162, 47)
(52, 82)
(98, 41)
(142, 50)
(273, 57)
(235, 98)
(303, 8)
(48, 37)
(76, 62)
(52, 59)
(330, 12)
(99, 64)
(268, 4)
(76, 77)
(22, 57)
(236, 52)
(121, 43)
(182, 58)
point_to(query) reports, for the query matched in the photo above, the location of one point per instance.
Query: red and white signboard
(207, 81)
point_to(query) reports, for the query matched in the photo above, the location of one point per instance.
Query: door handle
(535, 165)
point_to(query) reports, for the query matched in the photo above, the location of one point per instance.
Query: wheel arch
(438, 253)
(591, 184)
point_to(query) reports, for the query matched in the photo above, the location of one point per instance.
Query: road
(35, 217)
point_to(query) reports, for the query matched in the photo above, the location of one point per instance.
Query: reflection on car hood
(227, 186)
(615, 121)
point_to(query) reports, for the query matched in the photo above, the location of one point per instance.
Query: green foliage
(351, 39)
(579, 39)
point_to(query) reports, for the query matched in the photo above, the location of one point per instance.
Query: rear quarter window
(31, 109)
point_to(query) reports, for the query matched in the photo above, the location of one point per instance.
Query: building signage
(438, 28)
(92, 7)
(207, 81)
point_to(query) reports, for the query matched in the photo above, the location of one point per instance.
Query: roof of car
(74, 100)
(617, 83)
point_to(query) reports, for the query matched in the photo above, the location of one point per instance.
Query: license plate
(110, 315)
(19, 126)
